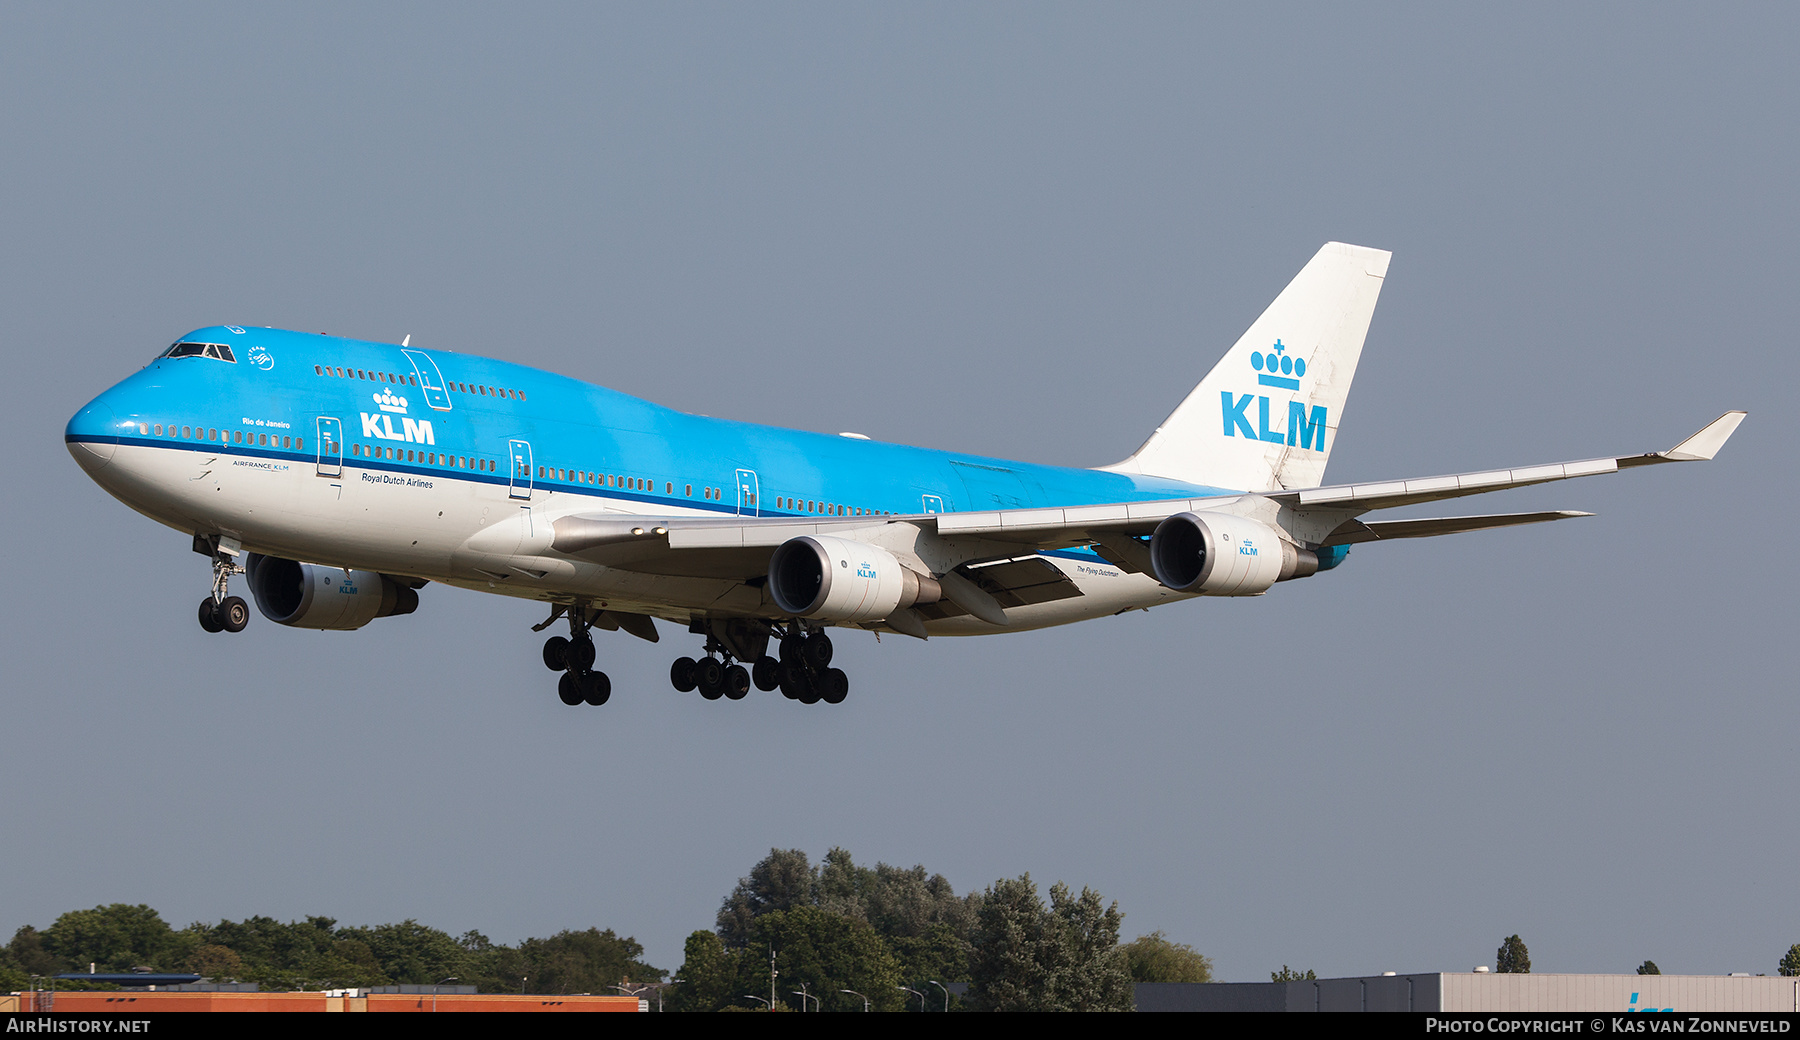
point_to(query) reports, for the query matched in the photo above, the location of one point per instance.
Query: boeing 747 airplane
(340, 477)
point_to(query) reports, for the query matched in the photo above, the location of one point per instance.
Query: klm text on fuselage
(1304, 429)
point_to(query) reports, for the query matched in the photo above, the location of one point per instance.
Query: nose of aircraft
(93, 435)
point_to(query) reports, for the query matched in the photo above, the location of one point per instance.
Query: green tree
(118, 937)
(825, 952)
(1065, 957)
(1092, 973)
(27, 954)
(782, 880)
(216, 963)
(409, 953)
(1649, 968)
(1005, 966)
(1512, 958)
(1790, 962)
(709, 974)
(1153, 958)
(593, 961)
(1287, 974)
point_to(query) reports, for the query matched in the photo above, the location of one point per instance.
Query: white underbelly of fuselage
(444, 526)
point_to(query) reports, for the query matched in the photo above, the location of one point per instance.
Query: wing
(1077, 525)
(985, 561)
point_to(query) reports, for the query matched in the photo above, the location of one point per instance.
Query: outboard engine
(1217, 554)
(307, 595)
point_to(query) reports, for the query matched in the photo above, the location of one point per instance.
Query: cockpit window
(219, 351)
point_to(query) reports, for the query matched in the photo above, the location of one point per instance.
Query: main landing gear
(221, 611)
(803, 673)
(574, 657)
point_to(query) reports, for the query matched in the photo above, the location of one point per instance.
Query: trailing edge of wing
(1351, 532)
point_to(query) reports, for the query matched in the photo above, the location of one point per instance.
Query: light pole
(759, 1000)
(805, 996)
(853, 993)
(946, 990)
(915, 993)
(434, 992)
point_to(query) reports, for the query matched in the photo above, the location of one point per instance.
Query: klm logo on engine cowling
(865, 570)
(1304, 428)
(381, 426)
(1247, 548)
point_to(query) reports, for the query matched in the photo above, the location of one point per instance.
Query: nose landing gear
(221, 611)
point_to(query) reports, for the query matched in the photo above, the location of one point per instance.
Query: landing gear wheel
(233, 614)
(209, 616)
(710, 675)
(569, 689)
(737, 682)
(793, 678)
(556, 654)
(596, 688)
(766, 673)
(681, 675)
(790, 646)
(809, 691)
(580, 657)
(833, 685)
(817, 651)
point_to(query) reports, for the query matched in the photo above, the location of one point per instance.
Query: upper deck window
(218, 351)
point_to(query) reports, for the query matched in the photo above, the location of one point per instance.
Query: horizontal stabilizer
(1352, 532)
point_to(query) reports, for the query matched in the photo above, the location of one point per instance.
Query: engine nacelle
(1217, 554)
(306, 595)
(836, 579)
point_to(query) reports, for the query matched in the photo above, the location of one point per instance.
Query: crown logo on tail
(1282, 370)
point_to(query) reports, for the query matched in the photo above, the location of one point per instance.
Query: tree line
(791, 932)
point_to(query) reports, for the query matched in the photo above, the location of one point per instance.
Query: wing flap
(1352, 532)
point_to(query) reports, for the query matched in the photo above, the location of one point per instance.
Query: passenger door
(520, 485)
(430, 380)
(746, 492)
(331, 447)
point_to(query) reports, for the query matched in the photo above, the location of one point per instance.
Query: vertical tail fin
(1266, 417)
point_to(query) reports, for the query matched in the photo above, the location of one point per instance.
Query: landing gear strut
(574, 657)
(221, 611)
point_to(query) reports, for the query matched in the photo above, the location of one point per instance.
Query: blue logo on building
(1277, 368)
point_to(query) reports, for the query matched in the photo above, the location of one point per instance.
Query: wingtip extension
(1705, 444)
